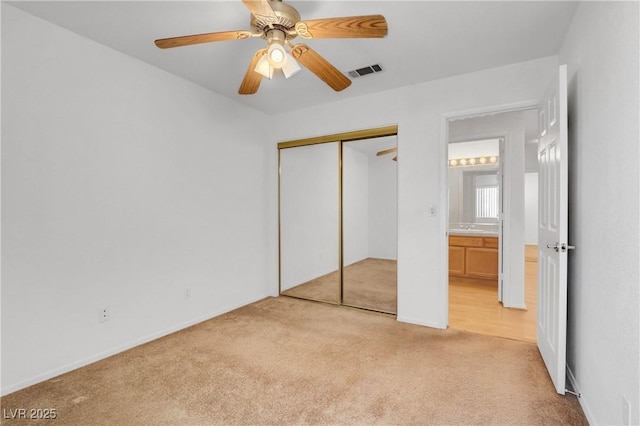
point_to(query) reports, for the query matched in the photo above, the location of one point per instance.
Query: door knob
(564, 247)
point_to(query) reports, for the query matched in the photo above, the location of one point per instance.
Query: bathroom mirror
(479, 201)
(369, 206)
(309, 222)
(474, 186)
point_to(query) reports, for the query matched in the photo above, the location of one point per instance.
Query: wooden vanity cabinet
(456, 260)
(473, 257)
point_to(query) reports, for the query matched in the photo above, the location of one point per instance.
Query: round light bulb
(472, 161)
(277, 56)
(493, 159)
(453, 162)
(483, 160)
(463, 162)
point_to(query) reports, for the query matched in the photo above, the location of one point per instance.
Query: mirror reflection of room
(369, 170)
(338, 222)
(309, 222)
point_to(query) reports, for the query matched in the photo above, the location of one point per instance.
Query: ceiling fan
(388, 151)
(278, 23)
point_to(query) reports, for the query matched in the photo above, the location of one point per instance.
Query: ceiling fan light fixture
(276, 55)
(291, 66)
(264, 68)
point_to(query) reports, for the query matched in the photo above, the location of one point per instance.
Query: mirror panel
(309, 222)
(369, 215)
(473, 185)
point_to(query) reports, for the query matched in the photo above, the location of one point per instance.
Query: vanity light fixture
(473, 161)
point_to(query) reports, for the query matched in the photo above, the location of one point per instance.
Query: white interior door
(552, 230)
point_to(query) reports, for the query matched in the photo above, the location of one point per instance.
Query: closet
(338, 219)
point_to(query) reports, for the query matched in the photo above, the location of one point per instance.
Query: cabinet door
(481, 262)
(456, 260)
(490, 242)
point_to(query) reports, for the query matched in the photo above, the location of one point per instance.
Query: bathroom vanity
(473, 256)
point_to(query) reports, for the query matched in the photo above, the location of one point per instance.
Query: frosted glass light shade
(291, 66)
(264, 68)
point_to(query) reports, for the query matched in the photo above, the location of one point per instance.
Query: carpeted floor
(285, 361)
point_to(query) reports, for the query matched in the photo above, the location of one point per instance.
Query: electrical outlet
(104, 314)
(187, 293)
(626, 411)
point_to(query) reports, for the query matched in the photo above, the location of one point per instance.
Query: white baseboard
(520, 307)
(97, 357)
(583, 400)
(420, 322)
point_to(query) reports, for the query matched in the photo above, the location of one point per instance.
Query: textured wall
(601, 51)
(122, 186)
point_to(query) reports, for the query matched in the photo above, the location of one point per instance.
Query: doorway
(492, 163)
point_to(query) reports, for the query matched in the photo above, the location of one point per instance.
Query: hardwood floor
(474, 306)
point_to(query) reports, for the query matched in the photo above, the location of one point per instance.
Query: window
(487, 197)
(487, 203)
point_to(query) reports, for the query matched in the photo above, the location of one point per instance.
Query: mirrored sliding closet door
(309, 222)
(338, 219)
(369, 212)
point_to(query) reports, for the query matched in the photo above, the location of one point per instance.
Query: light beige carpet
(285, 361)
(370, 283)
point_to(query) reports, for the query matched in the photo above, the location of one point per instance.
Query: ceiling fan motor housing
(285, 20)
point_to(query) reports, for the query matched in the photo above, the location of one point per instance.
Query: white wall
(419, 113)
(456, 195)
(601, 50)
(531, 208)
(383, 207)
(355, 205)
(122, 186)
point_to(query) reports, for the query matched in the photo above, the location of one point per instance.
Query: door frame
(445, 118)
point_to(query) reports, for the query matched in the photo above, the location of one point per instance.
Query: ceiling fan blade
(165, 43)
(320, 67)
(368, 26)
(261, 9)
(386, 151)
(252, 79)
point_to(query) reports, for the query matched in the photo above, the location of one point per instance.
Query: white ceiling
(427, 40)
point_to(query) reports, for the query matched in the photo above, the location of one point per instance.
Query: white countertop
(473, 232)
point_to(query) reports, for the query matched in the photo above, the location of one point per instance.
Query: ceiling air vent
(366, 70)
